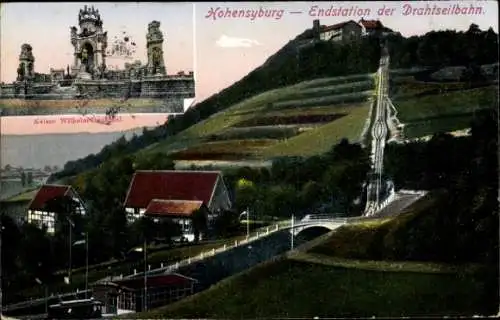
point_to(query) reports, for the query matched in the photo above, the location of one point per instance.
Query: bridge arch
(315, 225)
(312, 232)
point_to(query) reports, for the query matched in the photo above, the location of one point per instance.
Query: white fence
(210, 253)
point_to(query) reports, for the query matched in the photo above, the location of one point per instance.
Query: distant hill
(37, 151)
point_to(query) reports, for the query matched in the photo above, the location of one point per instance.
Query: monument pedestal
(84, 75)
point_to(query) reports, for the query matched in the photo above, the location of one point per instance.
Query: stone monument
(87, 75)
(89, 43)
(154, 38)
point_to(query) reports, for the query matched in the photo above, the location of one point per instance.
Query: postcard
(339, 160)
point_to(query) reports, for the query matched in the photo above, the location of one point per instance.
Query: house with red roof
(178, 211)
(344, 31)
(121, 296)
(38, 213)
(176, 194)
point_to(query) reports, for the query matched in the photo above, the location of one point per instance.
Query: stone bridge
(326, 221)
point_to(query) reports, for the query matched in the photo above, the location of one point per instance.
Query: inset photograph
(96, 59)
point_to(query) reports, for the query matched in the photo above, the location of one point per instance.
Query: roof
(371, 24)
(170, 185)
(336, 26)
(172, 279)
(47, 192)
(173, 207)
(74, 303)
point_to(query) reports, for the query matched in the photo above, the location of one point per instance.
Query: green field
(291, 288)
(303, 119)
(427, 108)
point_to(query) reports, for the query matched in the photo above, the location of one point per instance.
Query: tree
(29, 178)
(23, 178)
(155, 161)
(226, 223)
(35, 253)
(11, 238)
(68, 224)
(67, 213)
(144, 230)
(246, 193)
(200, 223)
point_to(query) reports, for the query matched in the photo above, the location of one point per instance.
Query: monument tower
(154, 45)
(90, 44)
(25, 71)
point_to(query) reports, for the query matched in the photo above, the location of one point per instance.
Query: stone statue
(26, 53)
(73, 32)
(30, 69)
(154, 33)
(156, 59)
(84, 58)
(20, 72)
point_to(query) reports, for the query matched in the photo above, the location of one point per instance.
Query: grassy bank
(428, 108)
(289, 288)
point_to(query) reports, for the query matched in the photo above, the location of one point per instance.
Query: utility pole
(70, 251)
(86, 263)
(46, 298)
(248, 223)
(1, 236)
(145, 301)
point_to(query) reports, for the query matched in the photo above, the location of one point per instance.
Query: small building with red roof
(39, 214)
(121, 296)
(176, 194)
(178, 211)
(373, 27)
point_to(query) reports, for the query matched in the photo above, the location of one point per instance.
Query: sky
(225, 49)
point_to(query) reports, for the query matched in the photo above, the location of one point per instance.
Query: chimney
(316, 28)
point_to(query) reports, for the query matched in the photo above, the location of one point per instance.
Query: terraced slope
(302, 119)
(430, 107)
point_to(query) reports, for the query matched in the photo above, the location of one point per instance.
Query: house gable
(220, 199)
(170, 185)
(46, 193)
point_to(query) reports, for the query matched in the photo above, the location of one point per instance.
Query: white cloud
(232, 42)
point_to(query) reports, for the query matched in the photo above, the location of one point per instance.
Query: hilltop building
(38, 213)
(89, 76)
(176, 195)
(349, 30)
(344, 31)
